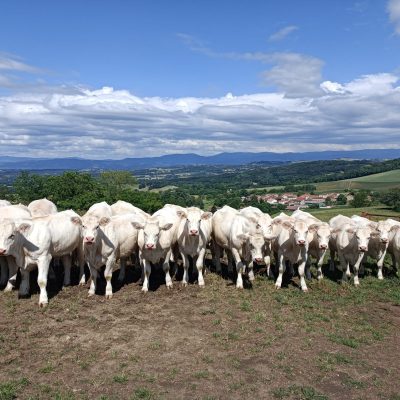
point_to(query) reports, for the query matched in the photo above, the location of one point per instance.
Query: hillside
(381, 181)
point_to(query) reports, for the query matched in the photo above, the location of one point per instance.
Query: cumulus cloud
(282, 33)
(108, 123)
(393, 8)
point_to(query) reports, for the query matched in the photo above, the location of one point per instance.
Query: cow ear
(372, 225)
(287, 225)
(165, 227)
(313, 228)
(76, 220)
(24, 227)
(252, 220)
(242, 237)
(181, 214)
(137, 225)
(277, 221)
(395, 228)
(206, 215)
(104, 221)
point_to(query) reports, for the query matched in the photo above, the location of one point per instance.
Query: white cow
(264, 222)
(8, 266)
(291, 245)
(105, 241)
(66, 239)
(318, 239)
(194, 233)
(239, 236)
(350, 242)
(123, 207)
(4, 203)
(29, 243)
(394, 244)
(42, 207)
(100, 210)
(157, 237)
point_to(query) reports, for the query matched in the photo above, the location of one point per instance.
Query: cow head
(361, 235)
(9, 232)
(255, 243)
(299, 230)
(322, 233)
(90, 228)
(194, 216)
(151, 231)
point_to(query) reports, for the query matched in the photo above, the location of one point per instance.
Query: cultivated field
(334, 342)
(383, 181)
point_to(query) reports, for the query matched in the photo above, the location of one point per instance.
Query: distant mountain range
(175, 160)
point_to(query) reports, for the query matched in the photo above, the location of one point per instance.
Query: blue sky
(204, 76)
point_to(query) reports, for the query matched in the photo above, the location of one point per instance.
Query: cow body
(42, 207)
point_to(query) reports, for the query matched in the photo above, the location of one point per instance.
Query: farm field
(382, 181)
(334, 342)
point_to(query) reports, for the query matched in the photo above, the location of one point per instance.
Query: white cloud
(282, 33)
(108, 123)
(393, 8)
(12, 63)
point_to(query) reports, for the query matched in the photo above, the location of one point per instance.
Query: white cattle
(42, 207)
(394, 245)
(4, 203)
(8, 266)
(105, 240)
(291, 245)
(122, 207)
(100, 210)
(29, 243)
(157, 237)
(239, 236)
(350, 242)
(66, 239)
(264, 221)
(194, 233)
(318, 239)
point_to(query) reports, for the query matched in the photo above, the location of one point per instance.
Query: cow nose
(302, 241)
(194, 231)
(2, 251)
(384, 240)
(363, 248)
(323, 246)
(258, 259)
(149, 245)
(89, 239)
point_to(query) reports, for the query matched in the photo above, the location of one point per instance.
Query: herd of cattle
(31, 236)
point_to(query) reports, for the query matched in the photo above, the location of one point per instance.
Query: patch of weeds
(63, 396)
(281, 355)
(9, 390)
(203, 374)
(173, 372)
(122, 378)
(245, 306)
(353, 383)
(207, 359)
(142, 394)
(298, 392)
(217, 321)
(328, 361)
(47, 369)
(346, 341)
(259, 317)
(233, 336)
(156, 345)
(216, 335)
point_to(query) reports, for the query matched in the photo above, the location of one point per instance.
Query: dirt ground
(335, 342)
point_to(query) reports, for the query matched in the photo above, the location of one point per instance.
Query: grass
(122, 378)
(9, 390)
(298, 392)
(142, 394)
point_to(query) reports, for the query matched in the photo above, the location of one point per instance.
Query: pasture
(334, 342)
(377, 182)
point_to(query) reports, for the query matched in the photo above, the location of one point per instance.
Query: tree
(115, 181)
(29, 187)
(341, 199)
(360, 199)
(391, 198)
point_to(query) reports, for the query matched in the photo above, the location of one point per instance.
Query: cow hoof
(43, 304)
(320, 277)
(23, 295)
(380, 278)
(90, 294)
(305, 290)
(8, 289)
(145, 290)
(169, 287)
(184, 284)
(277, 287)
(109, 296)
(202, 285)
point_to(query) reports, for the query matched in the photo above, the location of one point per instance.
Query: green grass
(10, 390)
(382, 181)
(298, 392)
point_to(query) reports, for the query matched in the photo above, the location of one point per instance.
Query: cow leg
(24, 287)
(146, 275)
(308, 269)
(303, 285)
(185, 262)
(380, 265)
(122, 270)
(356, 269)
(108, 275)
(345, 267)
(43, 271)
(281, 268)
(93, 280)
(217, 258)
(239, 268)
(12, 274)
(51, 274)
(230, 261)
(168, 280)
(4, 271)
(81, 263)
(267, 261)
(66, 260)
(200, 266)
(251, 271)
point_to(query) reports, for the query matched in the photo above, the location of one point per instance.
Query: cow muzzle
(301, 242)
(3, 252)
(362, 248)
(194, 232)
(150, 246)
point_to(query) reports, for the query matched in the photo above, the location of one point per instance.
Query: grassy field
(383, 181)
(325, 214)
(334, 342)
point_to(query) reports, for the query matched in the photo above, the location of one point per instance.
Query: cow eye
(84, 226)
(11, 237)
(98, 226)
